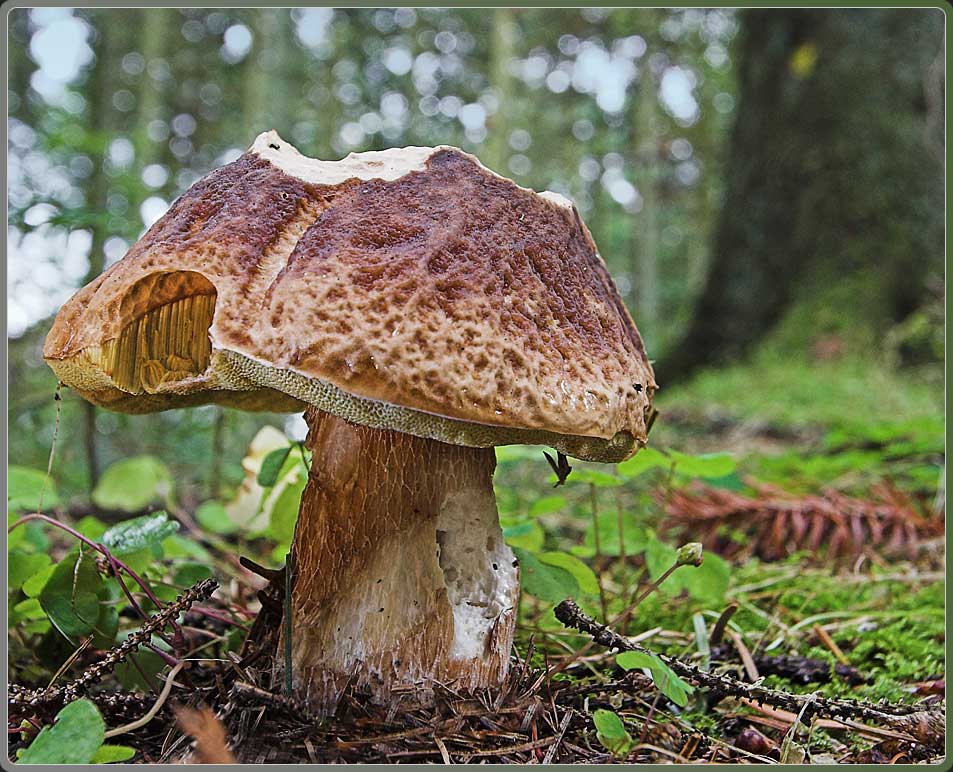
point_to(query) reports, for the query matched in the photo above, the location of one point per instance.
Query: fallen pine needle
(751, 669)
(514, 748)
(563, 726)
(834, 649)
(781, 719)
(442, 747)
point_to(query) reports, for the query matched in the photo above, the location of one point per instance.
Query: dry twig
(894, 715)
(54, 696)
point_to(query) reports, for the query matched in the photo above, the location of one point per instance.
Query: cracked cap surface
(409, 289)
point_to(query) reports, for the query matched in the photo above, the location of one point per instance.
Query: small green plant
(76, 737)
(554, 576)
(57, 606)
(133, 484)
(612, 734)
(667, 682)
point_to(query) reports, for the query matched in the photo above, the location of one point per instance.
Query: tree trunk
(156, 30)
(502, 47)
(102, 85)
(21, 65)
(833, 195)
(269, 79)
(645, 226)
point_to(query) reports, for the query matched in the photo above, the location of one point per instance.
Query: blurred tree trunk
(153, 37)
(503, 39)
(269, 77)
(255, 92)
(21, 66)
(645, 226)
(830, 171)
(104, 76)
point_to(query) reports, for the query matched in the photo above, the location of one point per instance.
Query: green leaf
(37, 626)
(140, 560)
(73, 615)
(139, 533)
(271, 466)
(636, 660)
(109, 754)
(663, 676)
(212, 517)
(91, 527)
(632, 538)
(673, 687)
(23, 565)
(284, 511)
(506, 454)
(190, 573)
(659, 557)
(24, 487)
(641, 462)
(591, 477)
(611, 732)
(546, 505)
(278, 556)
(26, 610)
(588, 583)
(33, 586)
(107, 623)
(709, 465)
(139, 672)
(17, 536)
(166, 592)
(527, 535)
(133, 484)
(178, 546)
(71, 596)
(546, 582)
(31, 534)
(73, 739)
(707, 583)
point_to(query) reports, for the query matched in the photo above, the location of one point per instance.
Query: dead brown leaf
(211, 746)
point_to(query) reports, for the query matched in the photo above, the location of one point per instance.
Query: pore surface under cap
(410, 289)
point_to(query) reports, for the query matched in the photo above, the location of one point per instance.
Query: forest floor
(813, 630)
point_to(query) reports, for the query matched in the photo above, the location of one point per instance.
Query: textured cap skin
(408, 289)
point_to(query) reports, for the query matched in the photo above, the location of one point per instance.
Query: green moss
(706, 723)
(900, 642)
(848, 308)
(851, 394)
(822, 742)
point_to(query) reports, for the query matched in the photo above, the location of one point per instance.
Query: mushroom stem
(402, 577)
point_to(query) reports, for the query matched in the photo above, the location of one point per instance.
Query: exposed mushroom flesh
(402, 575)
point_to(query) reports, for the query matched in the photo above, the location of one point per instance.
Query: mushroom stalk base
(402, 578)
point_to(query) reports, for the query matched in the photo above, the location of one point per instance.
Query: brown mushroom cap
(408, 289)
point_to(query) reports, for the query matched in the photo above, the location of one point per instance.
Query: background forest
(766, 187)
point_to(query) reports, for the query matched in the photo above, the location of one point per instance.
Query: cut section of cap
(409, 289)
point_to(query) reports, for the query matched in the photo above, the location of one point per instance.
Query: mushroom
(421, 310)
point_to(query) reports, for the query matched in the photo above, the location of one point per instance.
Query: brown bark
(833, 197)
(402, 576)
